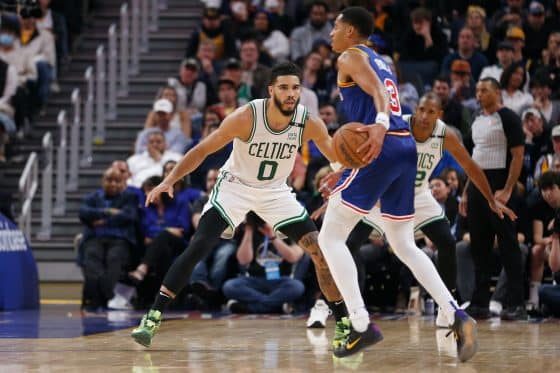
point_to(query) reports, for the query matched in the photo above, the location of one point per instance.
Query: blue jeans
(549, 296)
(262, 295)
(213, 269)
(44, 77)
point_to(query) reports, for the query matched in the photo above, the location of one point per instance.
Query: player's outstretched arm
(316, 130)
(474, 172)
(237, 124)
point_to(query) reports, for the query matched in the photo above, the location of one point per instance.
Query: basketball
(346, 141)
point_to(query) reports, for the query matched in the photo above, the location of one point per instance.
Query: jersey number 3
(394, 103)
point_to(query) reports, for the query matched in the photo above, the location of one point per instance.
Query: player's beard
(286, 113)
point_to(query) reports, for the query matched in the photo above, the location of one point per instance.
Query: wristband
(383, 119)
(335, 166)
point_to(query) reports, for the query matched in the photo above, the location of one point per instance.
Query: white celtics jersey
(429, 154)
(267, 158)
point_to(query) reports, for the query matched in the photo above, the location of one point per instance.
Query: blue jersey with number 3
(359, 106)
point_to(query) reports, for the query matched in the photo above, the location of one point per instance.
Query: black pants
(161, 252)
(105, 260)
(206, 237)
(484, 225)
(438, 232)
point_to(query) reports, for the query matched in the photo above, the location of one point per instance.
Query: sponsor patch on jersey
(292, 136)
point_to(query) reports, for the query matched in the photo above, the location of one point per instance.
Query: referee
(498, 140)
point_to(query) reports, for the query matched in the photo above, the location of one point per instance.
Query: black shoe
(478, 313)
(517, 313)
(207, 293)
(465, 331)
(357, 341)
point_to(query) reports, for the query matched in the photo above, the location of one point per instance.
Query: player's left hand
(328, 183)
(320, 211)
(499, 208)
(372, 147)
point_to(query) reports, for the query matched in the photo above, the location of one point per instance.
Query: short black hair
(421, 13)
(508, 72)
(284, 68)
(443, 78)
(493, 82)
(432, 97)
(360, 18)
(321, 4)
(440, 178)
(152, 182)
(540, 79)
(548, 180)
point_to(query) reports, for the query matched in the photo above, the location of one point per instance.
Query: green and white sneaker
(341, 332)
(148, 327)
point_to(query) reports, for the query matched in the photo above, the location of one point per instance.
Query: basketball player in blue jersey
(266, 134)
(369, 95)
(432, 137)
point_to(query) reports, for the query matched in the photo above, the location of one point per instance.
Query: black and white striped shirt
(493, 135)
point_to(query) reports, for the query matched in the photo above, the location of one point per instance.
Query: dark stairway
(56, 256)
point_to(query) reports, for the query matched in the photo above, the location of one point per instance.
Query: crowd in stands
(35, 39)
(444, 47)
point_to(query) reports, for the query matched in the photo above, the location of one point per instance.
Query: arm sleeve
(512, 127)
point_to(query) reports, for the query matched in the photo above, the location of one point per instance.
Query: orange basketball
(346, 141)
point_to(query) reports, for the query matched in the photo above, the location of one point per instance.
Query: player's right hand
(163, 187)
(371, 148)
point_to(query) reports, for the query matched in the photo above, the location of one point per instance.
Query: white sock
(400, 235)
(534, 292)
(337, 225)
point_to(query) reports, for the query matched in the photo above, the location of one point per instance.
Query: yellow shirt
(26, 36)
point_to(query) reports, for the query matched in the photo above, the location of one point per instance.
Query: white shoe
(118, 302)
(441, 320)
(495, 308)
(318, 315)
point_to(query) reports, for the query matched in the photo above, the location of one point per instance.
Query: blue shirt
(95, 207)
(358, 105)
(176, 213)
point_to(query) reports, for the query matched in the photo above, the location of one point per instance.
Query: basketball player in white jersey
(432, 139)
(266, 135)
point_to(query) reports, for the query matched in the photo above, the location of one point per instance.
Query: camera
(30, 9)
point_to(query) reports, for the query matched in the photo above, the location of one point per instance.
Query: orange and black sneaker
(357, 341)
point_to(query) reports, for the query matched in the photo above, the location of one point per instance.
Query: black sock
(338, 309)
(162, 301)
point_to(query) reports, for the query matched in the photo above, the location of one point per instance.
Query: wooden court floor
(246, 345)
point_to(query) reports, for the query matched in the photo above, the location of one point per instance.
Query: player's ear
(270, 89)
(440, 114)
